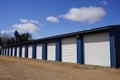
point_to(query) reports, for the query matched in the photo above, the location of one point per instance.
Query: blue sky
(43, 18)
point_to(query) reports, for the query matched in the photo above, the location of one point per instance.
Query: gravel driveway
(12, 68)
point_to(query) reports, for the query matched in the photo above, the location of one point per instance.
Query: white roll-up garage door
(23, 51)
(69, 50)
(39, 51)
(17, 51)
(9, 51)
(97, 49)
(4, 51)
(30, 51)
(51, 51)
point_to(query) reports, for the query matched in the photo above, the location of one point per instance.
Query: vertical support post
(11, 51)
(112, 51)
(8, 51)
(26, 51)
(20, 51)
(34, 51)
(44, 51)
(15, 51)
(2, 51)
(58, 50)
(80, 57)
(5, 51)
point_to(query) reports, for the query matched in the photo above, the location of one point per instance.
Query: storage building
(99, 47)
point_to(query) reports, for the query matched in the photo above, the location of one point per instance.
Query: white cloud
(3, 31)
(52, 19)
(30, 26)
(26, 26)
(24, 20)
(89, 14)
(104, 2)
(29, 21)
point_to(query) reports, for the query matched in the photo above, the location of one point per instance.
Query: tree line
(16, 39)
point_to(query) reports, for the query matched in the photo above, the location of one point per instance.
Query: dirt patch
(12, 68)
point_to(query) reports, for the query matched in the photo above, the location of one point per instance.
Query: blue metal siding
(11, 51)
(58, 50)
(44, 51)
(112, 54)
(8, 52)
(2, 51)
(117, 47)
(34, 51)
(26, 51)
(20, 51)
(5, 51)
(79, 50)
(15, 51)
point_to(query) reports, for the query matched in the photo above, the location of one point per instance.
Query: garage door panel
(23, 51)
(97, 49)
(39, 51)
(17, 51)
(51, 51)
(9, 51)
(30, 51)
(69, 49)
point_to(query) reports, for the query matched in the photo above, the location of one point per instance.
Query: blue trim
(20, 51)
(58, 50)
(2, 51)
(8, 51)
(26, 51)
(11, 51)
(44, 51)
(112, 54)
(34, 51)
(15, 51)
(80, 50)
(5, 51)
(116, 35)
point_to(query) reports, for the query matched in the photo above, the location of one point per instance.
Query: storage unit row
(98, 46)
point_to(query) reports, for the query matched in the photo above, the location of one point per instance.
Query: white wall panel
(10, 51)
(4, 51)
(23, 51)
(30, 51)
(39, 51)
(97, 49)
(69, 50)
(17, 51)
(51, 51)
